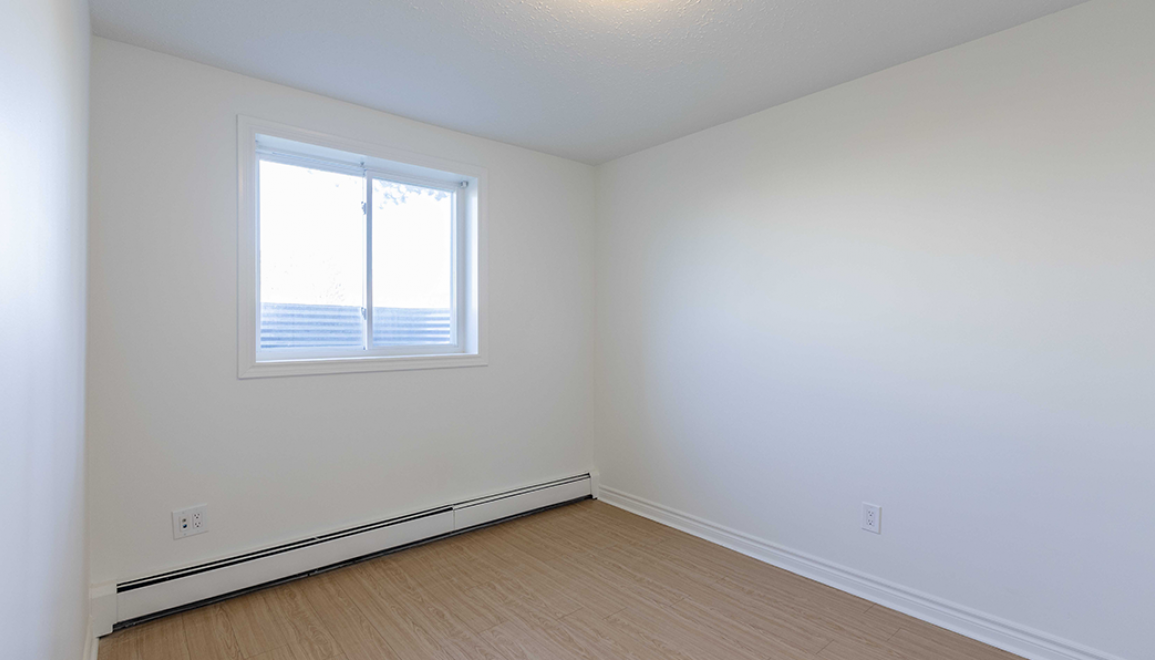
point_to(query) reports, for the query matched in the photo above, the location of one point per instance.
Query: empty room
(577, 330)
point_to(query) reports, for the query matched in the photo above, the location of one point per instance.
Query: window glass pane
(412, 265)
(312, 233)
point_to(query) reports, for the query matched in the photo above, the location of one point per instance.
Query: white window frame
(258, 139)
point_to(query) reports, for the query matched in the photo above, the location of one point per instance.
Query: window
(354, 258)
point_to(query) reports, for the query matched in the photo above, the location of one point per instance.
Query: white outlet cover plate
(872, 518)
(190, 521)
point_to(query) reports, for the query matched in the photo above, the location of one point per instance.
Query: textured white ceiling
(587, 79)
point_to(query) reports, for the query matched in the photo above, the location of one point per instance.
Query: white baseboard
(91, 643)
(1007, 635)
(133, 602)
(113, 603)
(488, 509)
(102, 607)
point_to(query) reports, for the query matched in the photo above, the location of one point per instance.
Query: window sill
(276, 368)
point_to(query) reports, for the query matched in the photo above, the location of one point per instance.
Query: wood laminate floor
(585, 581)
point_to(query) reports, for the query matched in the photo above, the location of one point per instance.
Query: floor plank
(209, 634)
(355, 635)
(256, 626)
(582, 582)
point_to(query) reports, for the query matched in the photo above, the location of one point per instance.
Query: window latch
(363, 314)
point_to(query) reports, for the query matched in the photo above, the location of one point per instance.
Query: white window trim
(470, 330)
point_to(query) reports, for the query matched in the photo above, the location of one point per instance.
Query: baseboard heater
(157, 595)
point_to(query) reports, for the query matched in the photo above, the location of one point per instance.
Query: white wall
(170, 425)
(43, 157)
(931, 289)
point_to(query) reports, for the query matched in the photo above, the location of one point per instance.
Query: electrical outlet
(190, 521)
(872, 518)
